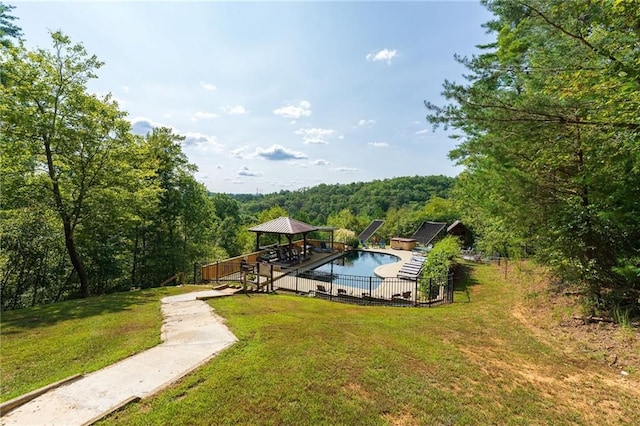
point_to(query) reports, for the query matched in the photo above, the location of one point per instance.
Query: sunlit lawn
(48, 343)
(305, 361)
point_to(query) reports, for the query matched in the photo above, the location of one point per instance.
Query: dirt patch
(355, 390)
(555, 317)
(404, 419)
(607, 355)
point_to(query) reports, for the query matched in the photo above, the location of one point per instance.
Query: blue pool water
(353, 269)
(357, 262)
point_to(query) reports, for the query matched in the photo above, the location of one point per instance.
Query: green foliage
(7, 28)
(365, 200)
(551, 132)
(353, 242)
(439, 209)
(89, 208)
(343, 235)
(439, 261)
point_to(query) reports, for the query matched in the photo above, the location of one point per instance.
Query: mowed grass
(304, 361)
(42, 345)
(308, 362)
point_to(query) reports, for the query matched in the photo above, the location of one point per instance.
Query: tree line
(369, 200)
(549, 124)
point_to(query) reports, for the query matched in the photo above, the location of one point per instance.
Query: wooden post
(271, 276)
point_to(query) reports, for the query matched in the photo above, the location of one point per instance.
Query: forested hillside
(370, 199)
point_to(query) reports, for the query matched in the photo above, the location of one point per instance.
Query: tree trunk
(135, 259)
(70, 244)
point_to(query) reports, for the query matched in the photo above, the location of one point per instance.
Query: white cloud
(294, 110)
(423, 131)
(347, 170)
(208, 86)
(240, 153)
(202, 115)
(321, 162)
(144, 125)
(366, 122)
(126, 89)
(314, 135)
(384, 55)
(300, 164)
(202, 142)
(378, 144)
(278, 153)
(245, 171)
(233, 110)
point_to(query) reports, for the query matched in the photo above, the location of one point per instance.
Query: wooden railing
(216, 270)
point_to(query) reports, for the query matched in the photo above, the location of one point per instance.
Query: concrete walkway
(191, 333)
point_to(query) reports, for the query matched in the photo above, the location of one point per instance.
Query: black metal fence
(377, 291)
(361, 290)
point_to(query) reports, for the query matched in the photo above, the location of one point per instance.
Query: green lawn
(305, 361)
(48, 343)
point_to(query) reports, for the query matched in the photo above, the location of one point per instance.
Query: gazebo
(284, 226)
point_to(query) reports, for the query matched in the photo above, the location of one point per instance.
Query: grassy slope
(306, 361)
(482, 360)
(45, 344)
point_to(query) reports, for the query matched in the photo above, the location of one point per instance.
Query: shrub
(439, 261)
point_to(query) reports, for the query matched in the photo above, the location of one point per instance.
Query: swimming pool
(357, 262)
(353, 269)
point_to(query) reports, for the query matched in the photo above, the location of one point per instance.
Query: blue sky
(278, 95)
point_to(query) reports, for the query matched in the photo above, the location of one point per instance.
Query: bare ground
(609, 352)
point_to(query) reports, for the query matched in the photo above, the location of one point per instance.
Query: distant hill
(374, 198)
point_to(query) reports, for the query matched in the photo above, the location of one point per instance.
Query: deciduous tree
(71, 140)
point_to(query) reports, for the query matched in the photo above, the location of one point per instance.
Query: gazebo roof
(284, 225)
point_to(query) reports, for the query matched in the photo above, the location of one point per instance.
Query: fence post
(297, 273)
(415, 296)
(430, 283)
(505, 268)
(217, 271)
(370, 292)
(195, 266)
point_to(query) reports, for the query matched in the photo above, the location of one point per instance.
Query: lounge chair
(341, 291)
(321, 288)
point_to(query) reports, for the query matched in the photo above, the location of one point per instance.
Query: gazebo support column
(258, 241)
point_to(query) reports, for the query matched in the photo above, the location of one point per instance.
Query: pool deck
(390, 270)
